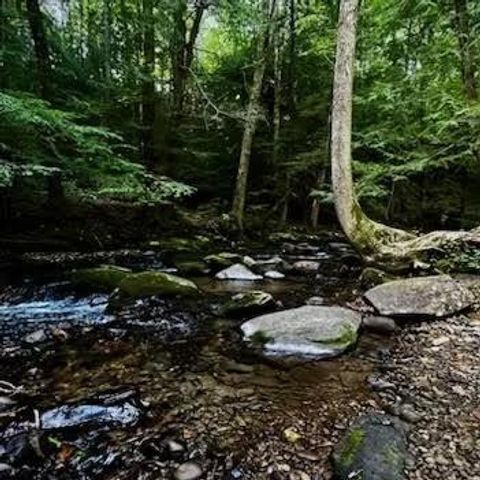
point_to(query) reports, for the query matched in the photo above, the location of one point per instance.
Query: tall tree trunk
(40, 45)
(148, 83)
(277, 80)
(363, 233)
(465, 43)
(184, 50)
(251, 120)
(107, 43)
(178, 55)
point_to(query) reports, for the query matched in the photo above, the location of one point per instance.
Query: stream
(158, 383)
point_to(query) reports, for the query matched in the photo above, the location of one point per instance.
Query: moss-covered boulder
(222, 260)
(249, 303)
(105, 278)
(374, 448)
(147, 284)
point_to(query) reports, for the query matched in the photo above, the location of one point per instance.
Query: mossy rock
(192, 267)
(105, 278)
(374, 448)
(147, 284)
(222, 260)
(252, 302)
(371, 277)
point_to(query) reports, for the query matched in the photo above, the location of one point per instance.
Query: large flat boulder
(436, 296)
(310, 330)
(374, 448)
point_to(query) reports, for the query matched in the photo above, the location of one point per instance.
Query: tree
(40, 45)
(391, 247)
(462, 24)
(148, 83)
(252, 115)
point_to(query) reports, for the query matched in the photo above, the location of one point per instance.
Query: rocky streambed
(164, 385)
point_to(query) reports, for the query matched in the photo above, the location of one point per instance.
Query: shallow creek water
(191, 376)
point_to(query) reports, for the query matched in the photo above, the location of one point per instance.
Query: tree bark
(40, 45)
(148, 84)
(364, 234)
(251, 120)
(462, 24)
(277, 80)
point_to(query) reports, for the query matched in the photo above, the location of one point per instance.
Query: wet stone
(312, 331)
(90, 415)
(238, 272)
(188, 471)
(374, 445)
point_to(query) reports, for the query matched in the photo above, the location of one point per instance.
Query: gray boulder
(437, 296)
(238, 272)
(383, 325)
(374, 448)
(310, 330)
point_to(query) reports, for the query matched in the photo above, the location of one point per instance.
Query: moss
(351, 447)
(259, 338)
(347, 337)
(105, 278)
(156, 283)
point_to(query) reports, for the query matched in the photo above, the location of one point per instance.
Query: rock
(146, 284)
(92, 415)
(309, 330)
(16, 449)
(192, 268)
(375, 446)
(437, 296)
(105, 278)
(273, 275)
(235, 367)
(408, 413)
(384, 325)
(188, 471)
(316, 301)
(238, 272)
(249, 261)
(38, 336)
(371, 277)
(222, 260)
(439, 341)
(291, 435)
(252, 302)
(306, 266)
(175, 448)
(379, 385)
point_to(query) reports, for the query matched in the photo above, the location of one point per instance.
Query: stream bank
(162, 382)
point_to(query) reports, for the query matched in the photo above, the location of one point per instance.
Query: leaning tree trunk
(251, 120)
(392, 248)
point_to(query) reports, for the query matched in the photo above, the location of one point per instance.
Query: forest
(239, 239)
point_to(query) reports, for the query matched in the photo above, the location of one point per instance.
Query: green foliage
(40, 140)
